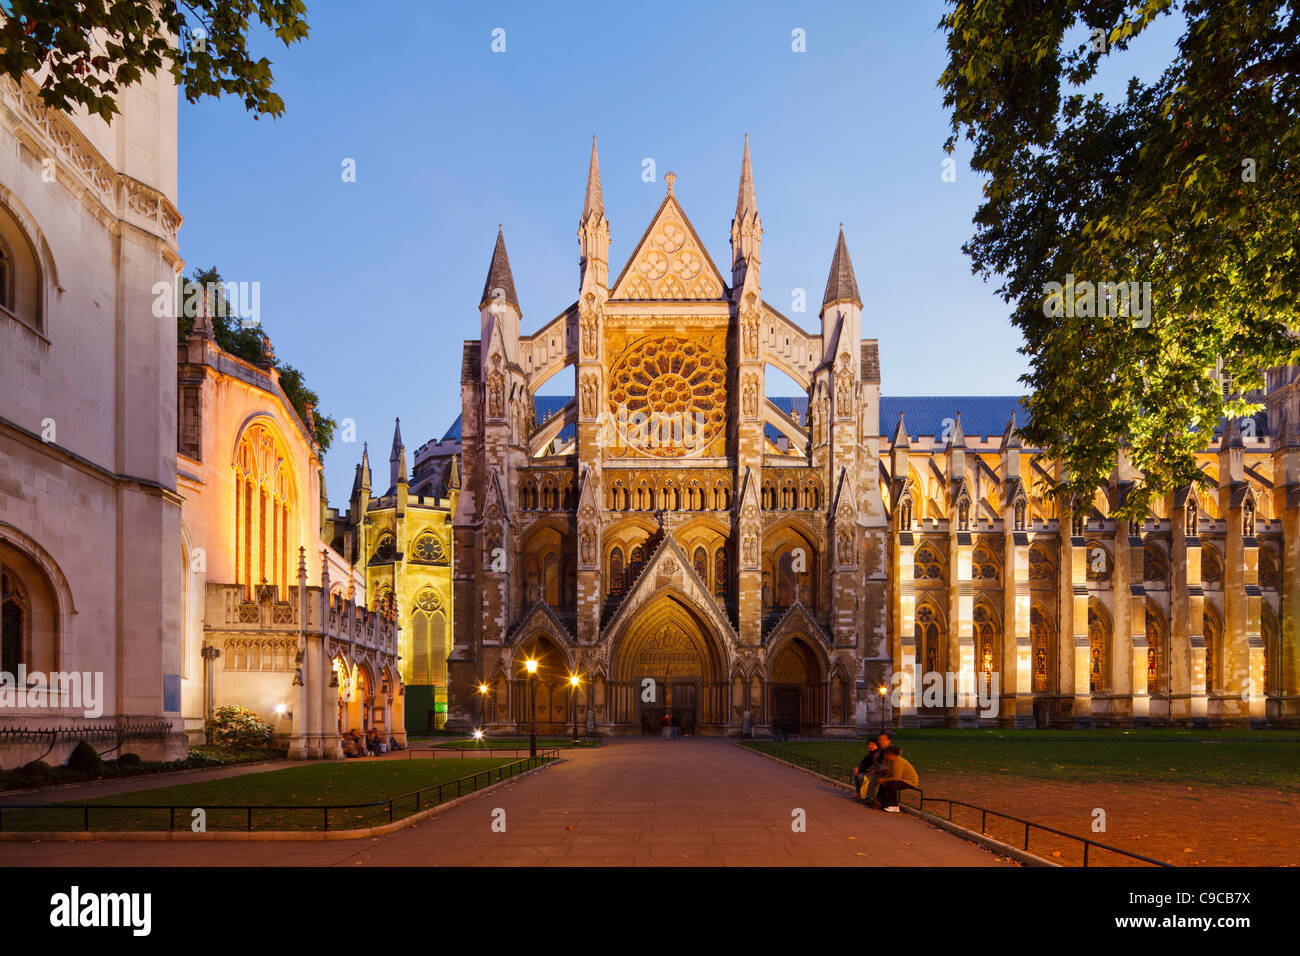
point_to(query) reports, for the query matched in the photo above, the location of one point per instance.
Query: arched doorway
(796, 688)
(667, 672)
(544, 697)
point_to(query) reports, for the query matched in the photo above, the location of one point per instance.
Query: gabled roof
(632, 282)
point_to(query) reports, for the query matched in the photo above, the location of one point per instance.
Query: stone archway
(668, 668)
(796, 687)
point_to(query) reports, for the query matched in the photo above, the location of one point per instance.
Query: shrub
(238, 728)
(129, 760)
(36, 772)
(86, 759)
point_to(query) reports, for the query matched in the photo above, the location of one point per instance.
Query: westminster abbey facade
(698, 553)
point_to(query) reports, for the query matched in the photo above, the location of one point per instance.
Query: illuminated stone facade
(670, 535)
(691, 547)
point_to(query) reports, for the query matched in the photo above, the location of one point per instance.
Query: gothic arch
(25, 263)
(1043, 644)
(1100, 643)
(266, 489)
(987, 627)
(1158, 649)
(1212, 631)
(931, 639)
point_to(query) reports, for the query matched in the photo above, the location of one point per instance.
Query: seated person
(878, 768)
(900, 775)
(860, 772)
(372, 742)
(350, 746)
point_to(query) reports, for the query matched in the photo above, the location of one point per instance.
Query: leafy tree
(1189, 182)
(246, 342)
(91, 50)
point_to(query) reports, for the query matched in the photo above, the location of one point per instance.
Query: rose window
(669, 396)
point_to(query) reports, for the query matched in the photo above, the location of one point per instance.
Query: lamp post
(531, 666)
(482, 706)
(881, 691)
(574, 681)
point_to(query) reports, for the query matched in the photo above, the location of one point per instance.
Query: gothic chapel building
(692, 549)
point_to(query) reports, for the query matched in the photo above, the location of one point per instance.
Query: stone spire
(746, 234)
(593, 235)
(499, 277)
(594, 203)
(397, 458)
(899, 451)
(900, 434)
(365, 467)
(746, 202)
(842, 284)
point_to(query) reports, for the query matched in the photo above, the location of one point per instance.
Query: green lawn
(1245, 758)
(305, 790)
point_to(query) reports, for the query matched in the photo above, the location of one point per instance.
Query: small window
(6, 274)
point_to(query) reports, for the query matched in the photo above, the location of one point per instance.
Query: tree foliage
(249, 343)
(85, 53)
(1189, 182)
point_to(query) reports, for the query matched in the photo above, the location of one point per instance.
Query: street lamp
(482, 707)
(531, 666)
(881, 691)
(574, 681)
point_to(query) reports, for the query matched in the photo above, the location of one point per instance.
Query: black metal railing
(1029, 825)
(460, 753)
(416, 799)
(840, 772)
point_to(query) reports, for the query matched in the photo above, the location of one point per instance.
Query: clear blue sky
(370, 287)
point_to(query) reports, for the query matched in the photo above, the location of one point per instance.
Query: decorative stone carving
(590, 389)
(671, 393)
(749, 396)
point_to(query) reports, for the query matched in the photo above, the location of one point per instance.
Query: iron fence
(417, 799)
(839, 772)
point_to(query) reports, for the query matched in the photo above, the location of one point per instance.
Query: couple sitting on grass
(883, 774)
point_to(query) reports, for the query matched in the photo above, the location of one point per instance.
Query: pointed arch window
(616, 580)
(986, 646)
(1272, 650)
(1157, 652)
(700, 562)
(429, 650)
(263, 531)
(720, 576)
(1213, 654)
(634, 565)
(1041, 638)
(13, 623)
(1098, 652)
(930, 641)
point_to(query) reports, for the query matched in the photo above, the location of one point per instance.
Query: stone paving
(634, 802)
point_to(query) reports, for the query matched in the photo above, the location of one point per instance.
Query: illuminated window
(263, 532)
(13, 622)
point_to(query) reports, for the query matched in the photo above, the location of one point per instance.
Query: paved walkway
(637, 801)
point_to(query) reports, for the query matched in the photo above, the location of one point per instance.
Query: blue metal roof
(982, 416)
(545, 406)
